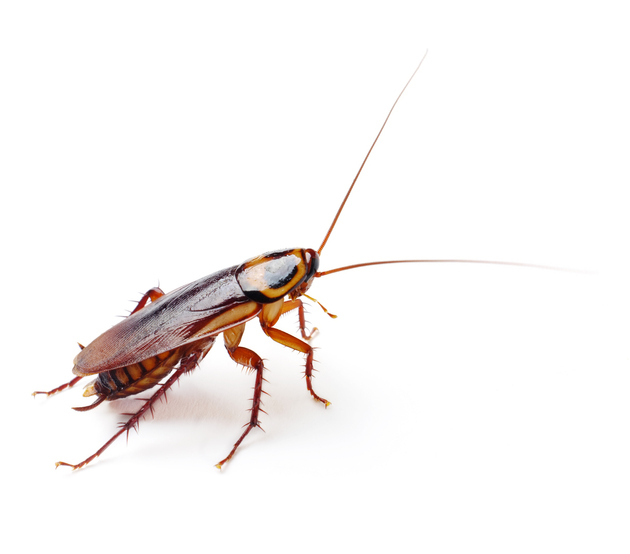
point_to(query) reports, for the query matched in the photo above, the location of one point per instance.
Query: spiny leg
(247, 358)
(269, 316)
(153, 294)
(187, 364)
(300, 346)
(292, 305)
(60, 387)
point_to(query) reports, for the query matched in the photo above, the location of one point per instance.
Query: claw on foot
(323, 401)
(73, 466)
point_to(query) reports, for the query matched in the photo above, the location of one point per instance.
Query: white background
(474, 408)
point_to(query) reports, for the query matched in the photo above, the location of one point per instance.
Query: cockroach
(165, 338)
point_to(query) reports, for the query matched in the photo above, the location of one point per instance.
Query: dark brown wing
(200, 309)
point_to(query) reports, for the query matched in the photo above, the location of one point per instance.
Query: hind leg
(67, 385)
(152, 294)
(187, 364)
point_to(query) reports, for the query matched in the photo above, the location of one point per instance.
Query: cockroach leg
(292, 305)
(153, 294)
(251, 360)
(269, 316)
(300, 346)
(67, 385)
(186, 365)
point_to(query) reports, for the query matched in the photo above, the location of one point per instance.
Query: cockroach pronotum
(163, 339)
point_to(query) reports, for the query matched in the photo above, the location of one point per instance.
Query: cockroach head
(311, 260)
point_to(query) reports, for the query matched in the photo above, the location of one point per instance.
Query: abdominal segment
(135, 378)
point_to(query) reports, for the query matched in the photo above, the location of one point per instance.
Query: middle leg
(251, 360)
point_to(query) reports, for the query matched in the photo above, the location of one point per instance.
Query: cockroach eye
(312, 263)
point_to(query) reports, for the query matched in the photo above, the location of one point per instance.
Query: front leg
(299, 305)
(268, 318)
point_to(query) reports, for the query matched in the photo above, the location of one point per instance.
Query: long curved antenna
(332, 226)
(354, 266)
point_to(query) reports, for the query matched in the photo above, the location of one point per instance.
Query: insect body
(178, 329)
(170, 335)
